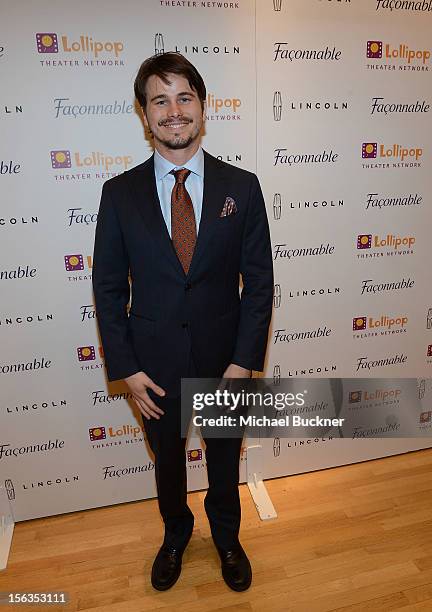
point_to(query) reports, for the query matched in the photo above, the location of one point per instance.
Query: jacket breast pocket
(226, 226)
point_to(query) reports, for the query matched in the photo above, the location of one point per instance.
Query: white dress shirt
(166, 181)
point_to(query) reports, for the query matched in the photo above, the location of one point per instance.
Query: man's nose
(174, 109)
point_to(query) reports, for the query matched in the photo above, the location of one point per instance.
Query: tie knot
(181, 175)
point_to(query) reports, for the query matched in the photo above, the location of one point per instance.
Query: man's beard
(179, 142)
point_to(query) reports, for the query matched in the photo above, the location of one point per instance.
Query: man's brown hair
(161, 65)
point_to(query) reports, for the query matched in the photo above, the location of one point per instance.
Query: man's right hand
(138, 384)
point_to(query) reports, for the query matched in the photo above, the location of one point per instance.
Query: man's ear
(144, 116)
(204, 110)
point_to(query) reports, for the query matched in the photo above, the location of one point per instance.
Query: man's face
(173, 112)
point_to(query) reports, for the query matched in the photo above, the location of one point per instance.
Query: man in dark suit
(184, 225)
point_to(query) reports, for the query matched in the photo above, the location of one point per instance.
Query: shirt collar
(164, 167)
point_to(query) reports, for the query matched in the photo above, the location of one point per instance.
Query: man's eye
(185, 99)
(160, 102)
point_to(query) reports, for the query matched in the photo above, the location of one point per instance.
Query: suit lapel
(214, 194)
(143, 184)
(147, 201)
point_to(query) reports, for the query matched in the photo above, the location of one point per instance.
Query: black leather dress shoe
(166, 567)
(236, 569)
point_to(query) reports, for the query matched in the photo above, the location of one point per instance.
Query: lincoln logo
(10, 490)
(277, 106)
(429, 319)
(276, 447)
(277, 206)
(421, 388)
(277, 5)
(276, 375)
(277, 296)
(159, 44)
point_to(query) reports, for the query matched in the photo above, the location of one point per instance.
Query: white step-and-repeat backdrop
(329, 102)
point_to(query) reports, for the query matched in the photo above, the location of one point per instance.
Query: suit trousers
(222, 500)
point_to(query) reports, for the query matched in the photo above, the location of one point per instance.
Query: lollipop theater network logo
(74, 263)
(97, 433)
(78, 266)
(394, 152)
(222, 109)
(378, 396)
(194, 454)
(354, 397)
(72, 50)
(408, 58)
(384, 324)
(61, 159)
(390, 245)
(107, 165)
(88, 355)
(127, 433)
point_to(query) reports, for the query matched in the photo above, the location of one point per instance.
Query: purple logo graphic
(359, 323)
(97, 433)
(194, 454)
(374, 49)
(74, 262)
(60, 159)
(364, 241)
(369, 150)
(47, 42)
(354, 397)
(86, 353)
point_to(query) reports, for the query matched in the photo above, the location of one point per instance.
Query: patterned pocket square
(229, 207)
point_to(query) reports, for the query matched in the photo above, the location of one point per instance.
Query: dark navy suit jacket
(173, 315)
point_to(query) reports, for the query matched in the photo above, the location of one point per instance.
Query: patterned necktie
(183, 228)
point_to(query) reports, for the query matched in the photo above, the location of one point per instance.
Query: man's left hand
(236, 371)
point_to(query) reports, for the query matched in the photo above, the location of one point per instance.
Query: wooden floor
(350, 538)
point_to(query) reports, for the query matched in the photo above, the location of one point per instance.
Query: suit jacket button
(187, 286)
(184, 325)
